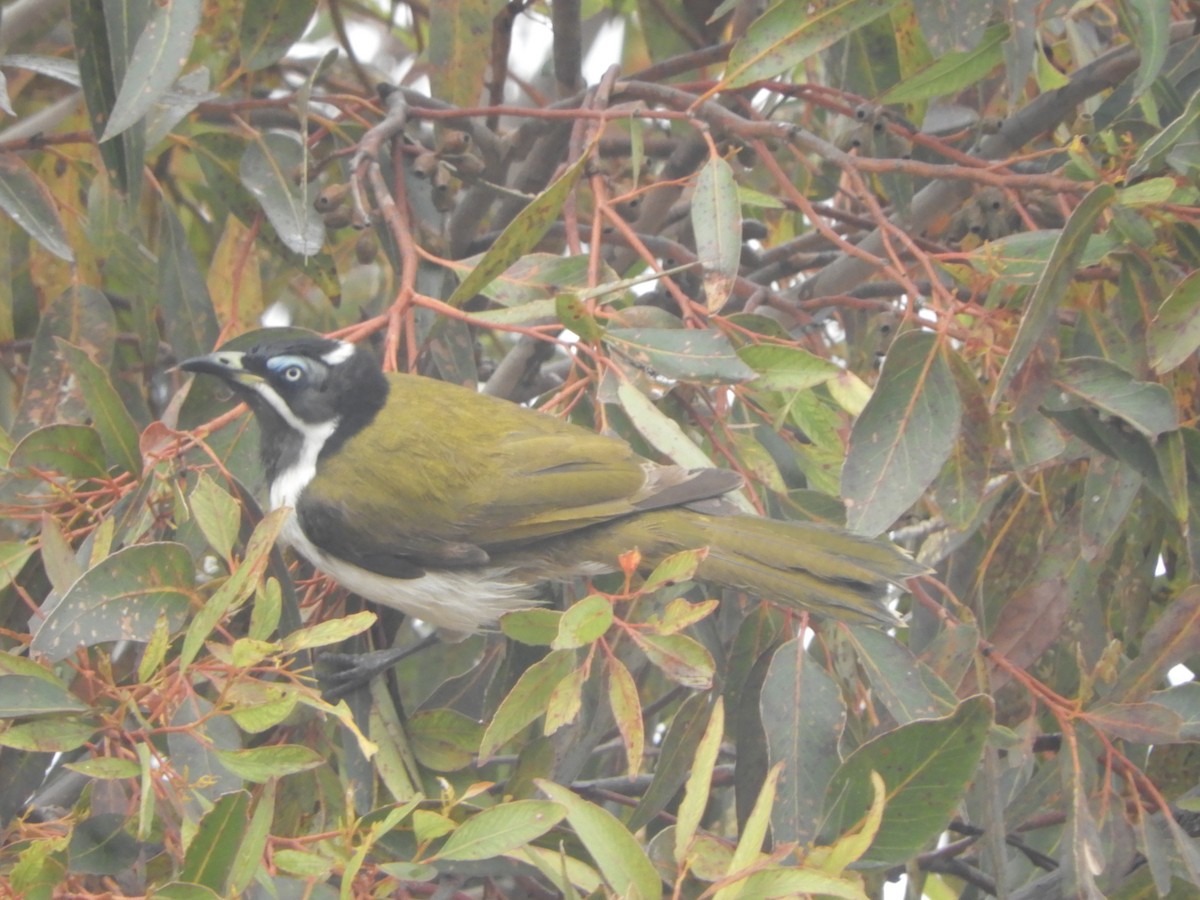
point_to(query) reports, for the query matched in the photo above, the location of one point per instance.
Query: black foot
(343, 673)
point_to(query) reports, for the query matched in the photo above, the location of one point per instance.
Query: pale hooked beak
(228, 365)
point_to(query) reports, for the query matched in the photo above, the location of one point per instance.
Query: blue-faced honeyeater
(454, 506)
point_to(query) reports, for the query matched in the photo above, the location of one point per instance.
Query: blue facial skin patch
(279, 363)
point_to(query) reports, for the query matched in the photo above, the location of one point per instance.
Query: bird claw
(341, 674)
(344, 673)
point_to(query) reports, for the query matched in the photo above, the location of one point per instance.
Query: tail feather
(803, 564)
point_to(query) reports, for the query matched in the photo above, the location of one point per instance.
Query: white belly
(464, 602)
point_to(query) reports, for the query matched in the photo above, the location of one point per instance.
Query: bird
(455, 507)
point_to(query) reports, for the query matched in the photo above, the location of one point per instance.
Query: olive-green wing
(445, 476)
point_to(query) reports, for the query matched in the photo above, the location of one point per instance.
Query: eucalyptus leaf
(269, 172)
(803, 716)
(717, 223)
(788, 34)
(903, 437)
(621, 859)
(25, 198)
(156, 60)
(926, 767)
(704, 356)
(119, 598)
(270, 28)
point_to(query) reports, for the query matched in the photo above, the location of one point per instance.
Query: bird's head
(305, 387)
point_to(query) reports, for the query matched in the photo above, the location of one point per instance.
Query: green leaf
(521, 234)
(265, 763)
(699, 783)
(538, 627)
(156, 60)
(626, 708)
(189, 320)
(429, 825)
(249, 860)
(1174, 332)
(535, 276)
(754, 832)
(535, 312)
(267, 171)
(926, 766)
(258, 706)
(217, 514)
(676, 568)
(239, 586)
(110, 418)
(680, 614)
(444, 740)
(575, 316)
(213, 851)
(674, 759)
(908, 689)
(120, 598)
(84, 316)
(583, 623)
(566, 700)
(106, 767)
(333, 631)
(790, 33)
(1175, 637)
(951, 72)
(1184, 701)
(803, 716)
(270, 28)
(1053, 284)
(13, 556)
(11, 664)
(852, 846)
(704, 356)
(30, 695)
(665, 435)
(1021, 258)
(961, 486)
(527, 700)
(104, 44)
(1094, 382)
(75, 451)
(190, 90)
(679, 657)
(903, 437)
(31, 205)
(100, 845)
(394, 759)
(626, 869)
(501, 829)
(51, 735)
(1109, 491)
(62, 565)
(460, 45)
(195, 736)
(717, 224)
(302, 864)
(795, 882)
(787, 369)
(1155, 150)
(1140, 723)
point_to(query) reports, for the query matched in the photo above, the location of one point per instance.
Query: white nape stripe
(339, 354)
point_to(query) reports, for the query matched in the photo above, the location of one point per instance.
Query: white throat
(289, 483)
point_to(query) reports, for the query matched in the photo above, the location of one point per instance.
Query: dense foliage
(929, 272)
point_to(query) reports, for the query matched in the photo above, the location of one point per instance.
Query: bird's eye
(293, 373)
